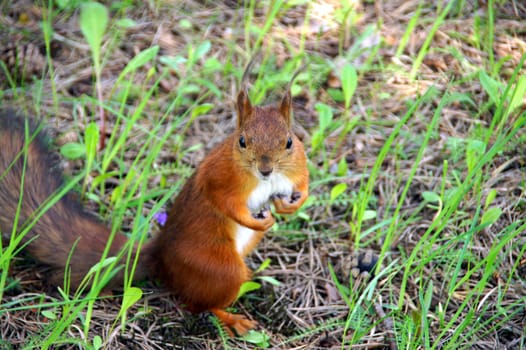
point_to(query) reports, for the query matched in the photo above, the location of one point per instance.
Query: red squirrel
(219, 216)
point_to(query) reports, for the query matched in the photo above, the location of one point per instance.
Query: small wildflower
(161, 217)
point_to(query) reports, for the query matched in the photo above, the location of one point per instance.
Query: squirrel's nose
(265, 172)
(265, 165)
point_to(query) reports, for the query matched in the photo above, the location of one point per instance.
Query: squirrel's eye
(242, 142)
(289, 143)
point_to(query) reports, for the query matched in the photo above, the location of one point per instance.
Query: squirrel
(219, 216)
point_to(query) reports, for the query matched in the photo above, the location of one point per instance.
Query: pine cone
(363, 264)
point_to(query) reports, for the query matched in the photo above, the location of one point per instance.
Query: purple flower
(161, 217)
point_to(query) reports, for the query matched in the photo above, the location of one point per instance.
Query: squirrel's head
(265, 141)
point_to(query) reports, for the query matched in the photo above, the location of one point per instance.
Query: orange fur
(199, 260)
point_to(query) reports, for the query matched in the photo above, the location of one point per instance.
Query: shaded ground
(305, 310)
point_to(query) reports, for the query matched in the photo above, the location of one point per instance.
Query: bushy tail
(30, 177)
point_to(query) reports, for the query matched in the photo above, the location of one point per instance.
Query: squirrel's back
(31, 176)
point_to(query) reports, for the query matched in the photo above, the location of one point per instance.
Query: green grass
(428, 196)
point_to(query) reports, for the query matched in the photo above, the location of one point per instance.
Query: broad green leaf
(190, 89)
(210, 85)
(270, 280)
(316, 140)
(431, 197)
(212, 64)
(92, 140)
(62, 4)
(93, 23)
(369, 214)
(102, 264)
(173, 62)
(492, 194)
(342, 167)
(263, 265)
(116, 194)
(203, 49)
(130, 297)
(519, 93)
(474, 150)
(201, 109)
(185, 24)
(324, 114)
(49, 314)
(490, 85)
(90, 196)
(258, 338)
(349, 83)
(97, 180)
(140, 59)
(490, 216)
(47, 29)
(73, 150)
(125, 23)
(194, 148)
(97, 342)
(338, 190)
(460, 97)
(303, 215)
(428, 297)
(336, 94)
(247, 287)
(295, 89)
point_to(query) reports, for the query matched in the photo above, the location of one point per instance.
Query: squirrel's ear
(244, 107)
(285, 107)
(286, 104)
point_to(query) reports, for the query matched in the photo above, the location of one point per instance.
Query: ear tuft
(285, 107)
(286, 104)
(244, 107)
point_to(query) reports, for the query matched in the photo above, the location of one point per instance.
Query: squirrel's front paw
(265, 219)
(287, 204)
(263, 213)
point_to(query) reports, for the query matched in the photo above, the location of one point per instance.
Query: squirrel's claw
(234, 323)
(287, 204)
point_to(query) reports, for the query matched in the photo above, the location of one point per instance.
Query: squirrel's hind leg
(234, 323)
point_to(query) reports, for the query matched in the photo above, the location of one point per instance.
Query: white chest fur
(243, 237)
(275, 184)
